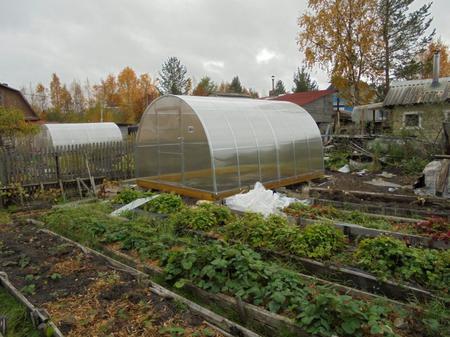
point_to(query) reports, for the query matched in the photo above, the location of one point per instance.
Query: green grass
(4, 217)
(17, 318)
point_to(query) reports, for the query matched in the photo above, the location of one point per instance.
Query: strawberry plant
(319, 241)
(315, 241)
(164, 203)
(203, 217)
(238, 271)
(389, 257)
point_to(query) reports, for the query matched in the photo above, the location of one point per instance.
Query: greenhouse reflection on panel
(220, 144)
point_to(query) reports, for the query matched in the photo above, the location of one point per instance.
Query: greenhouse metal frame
(213, 147)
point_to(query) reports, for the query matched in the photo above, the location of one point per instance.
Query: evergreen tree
(235, 86)
(205, 87)
(279, 88)
(173, 78)
(303, 81)
(403, 36)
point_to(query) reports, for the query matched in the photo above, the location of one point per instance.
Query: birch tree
(340, 36)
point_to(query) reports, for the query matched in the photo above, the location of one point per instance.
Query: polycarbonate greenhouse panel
(80, 133)
(219, 144)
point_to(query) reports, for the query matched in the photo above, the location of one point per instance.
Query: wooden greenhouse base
(166, 186)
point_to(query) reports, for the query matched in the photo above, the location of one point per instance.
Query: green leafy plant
(336, 159)
(173, 331)
(241, 272)
(24, 261)
(203, 217)
(389, 257)
(319, 241)
(164, 204)
(128, 195)
(29, 289)
(275, 233)
(5, 219)
(55, 276)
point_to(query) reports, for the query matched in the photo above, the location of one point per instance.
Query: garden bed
(383, 208)
(415, 203)
(262, 234)
(182, 259)
(84, 294)
(432, 232)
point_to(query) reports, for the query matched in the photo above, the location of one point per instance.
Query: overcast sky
(81, 39)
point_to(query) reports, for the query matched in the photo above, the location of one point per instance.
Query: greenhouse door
(170, 140)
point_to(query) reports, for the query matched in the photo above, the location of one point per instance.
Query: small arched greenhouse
(79, 133)
(213, 147)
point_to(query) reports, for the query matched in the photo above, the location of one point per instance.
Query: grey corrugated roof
(417, 92)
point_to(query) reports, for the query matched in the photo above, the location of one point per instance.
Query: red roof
(303, 98)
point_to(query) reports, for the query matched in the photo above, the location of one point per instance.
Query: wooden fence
(30, 167)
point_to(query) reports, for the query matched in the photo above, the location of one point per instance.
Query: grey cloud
(80, 39)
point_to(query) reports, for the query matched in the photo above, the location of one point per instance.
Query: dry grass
(91, 315)
(69, 266)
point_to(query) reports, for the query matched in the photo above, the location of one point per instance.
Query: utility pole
(102, 104)
(273, 85)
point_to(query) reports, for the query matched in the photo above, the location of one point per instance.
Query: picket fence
(30, 166)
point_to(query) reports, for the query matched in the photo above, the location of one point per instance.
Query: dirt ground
(354, 182)
(83, 294)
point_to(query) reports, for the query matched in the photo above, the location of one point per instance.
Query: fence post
(57, 165)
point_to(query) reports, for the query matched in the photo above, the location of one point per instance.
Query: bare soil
(354, 182)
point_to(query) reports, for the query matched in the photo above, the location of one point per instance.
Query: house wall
(431, 118)
(321, 110)
(13, 99)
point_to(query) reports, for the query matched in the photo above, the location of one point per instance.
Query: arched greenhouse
(212, 147)
(79, 133)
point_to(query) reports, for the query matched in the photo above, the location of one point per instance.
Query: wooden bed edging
(358, 230)
(272, 324)
(437, 202)
(381, 207)
(39, 317)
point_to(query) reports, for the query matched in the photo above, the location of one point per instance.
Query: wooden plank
(385, 197)
(358, 230)
(383, 209)
(37, 315)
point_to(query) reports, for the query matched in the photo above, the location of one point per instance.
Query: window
(412, 120)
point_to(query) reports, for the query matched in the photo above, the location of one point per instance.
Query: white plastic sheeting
(80, 133)
(132, 205)
(259, 200)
